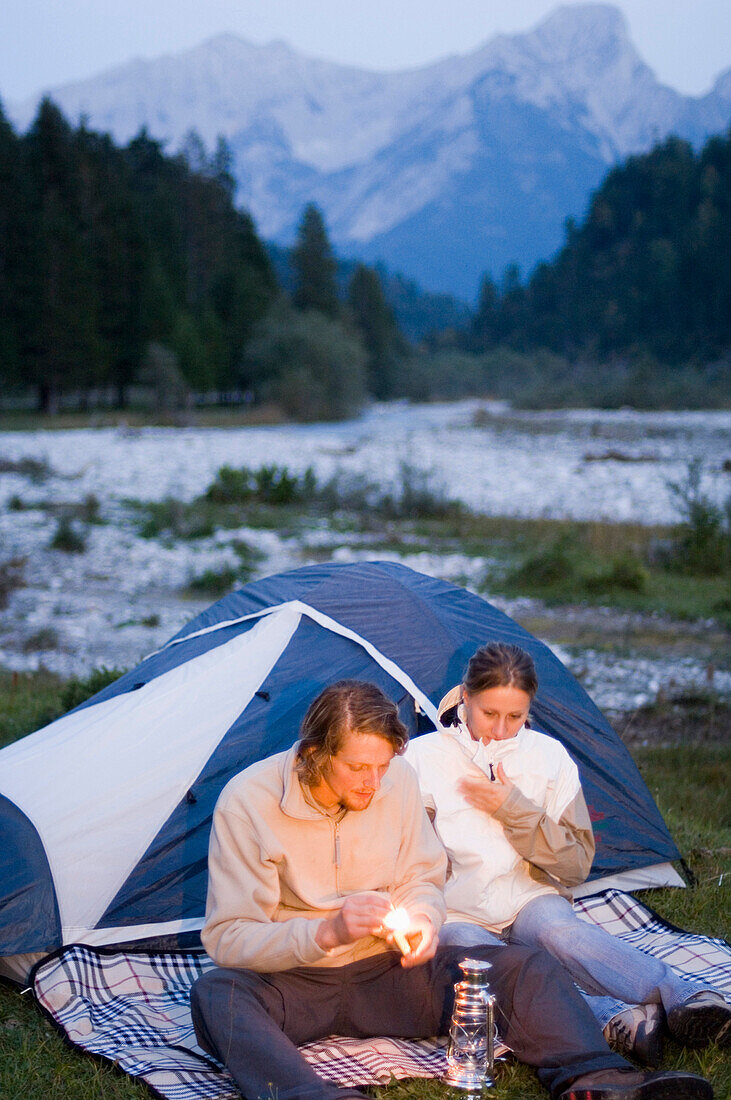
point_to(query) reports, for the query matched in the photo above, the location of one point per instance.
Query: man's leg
(465, 934)
(253, 1023)
(540, 1014)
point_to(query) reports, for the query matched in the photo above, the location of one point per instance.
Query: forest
(128, 274)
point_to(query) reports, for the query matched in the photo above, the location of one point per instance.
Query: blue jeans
(604, 966)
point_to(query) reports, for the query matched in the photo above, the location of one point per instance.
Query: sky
(46, 43)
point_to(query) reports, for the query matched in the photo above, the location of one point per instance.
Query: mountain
(442, 172)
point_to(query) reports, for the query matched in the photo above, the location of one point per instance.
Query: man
(309, 852)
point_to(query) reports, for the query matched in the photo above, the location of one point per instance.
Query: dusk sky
(45, 43)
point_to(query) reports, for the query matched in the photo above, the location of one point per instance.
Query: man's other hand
(360, 915)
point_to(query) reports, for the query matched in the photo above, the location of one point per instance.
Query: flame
(398, 921)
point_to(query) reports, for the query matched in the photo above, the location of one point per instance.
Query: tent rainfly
(105, 813)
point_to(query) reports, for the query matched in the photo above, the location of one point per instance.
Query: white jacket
(539, 841)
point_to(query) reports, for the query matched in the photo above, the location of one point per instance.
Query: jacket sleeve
(241, 929)
(422, 862)
(561, 843)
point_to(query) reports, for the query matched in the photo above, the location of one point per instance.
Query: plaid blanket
(133, 1009)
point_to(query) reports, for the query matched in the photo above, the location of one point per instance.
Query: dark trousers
(254, 1022)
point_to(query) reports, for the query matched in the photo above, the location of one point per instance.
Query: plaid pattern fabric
(695, 958)
(133, 1009)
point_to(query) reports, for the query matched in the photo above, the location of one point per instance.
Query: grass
(688, 781)
(26, 420)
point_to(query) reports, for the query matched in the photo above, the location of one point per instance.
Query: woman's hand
(483, 793)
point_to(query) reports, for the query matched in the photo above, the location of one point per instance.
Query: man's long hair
(348, 706)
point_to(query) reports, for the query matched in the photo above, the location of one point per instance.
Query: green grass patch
(689, 782)
(212, 582)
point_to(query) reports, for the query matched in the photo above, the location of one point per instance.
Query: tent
(105, 813)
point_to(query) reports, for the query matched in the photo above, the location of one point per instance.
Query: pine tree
(63, 352)
(376, 325)
(314, 266)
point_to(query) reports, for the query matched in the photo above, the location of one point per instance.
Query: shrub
(267, 485)
(704, 542)
(89, 509)
(45, 638)
(551, 565)
(309, 364)
(212, 582)
(11, 578)
(67, 538)
(36, 470)
(626, 573)
(178, 520)
(78, 690)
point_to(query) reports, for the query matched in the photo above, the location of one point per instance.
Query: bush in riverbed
(67, 538)
(11, 578)
(212, 582)
(35, 469)
(704, 542)
(45, 638)
(266, 485)
(176, 519)
(565, 566)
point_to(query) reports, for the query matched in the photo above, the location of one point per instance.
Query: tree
(314, 266)
(308, 363)
(63, 350)
(16, 234)
(485, 321)
(374, 321)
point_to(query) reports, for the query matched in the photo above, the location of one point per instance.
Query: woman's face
(497, 713)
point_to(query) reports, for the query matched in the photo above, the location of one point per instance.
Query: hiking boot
(630, 1084)
(637, 1033)
(703, 1018)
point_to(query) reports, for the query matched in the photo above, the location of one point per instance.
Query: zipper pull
(492, 772)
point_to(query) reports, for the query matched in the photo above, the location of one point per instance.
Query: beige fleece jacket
(278, 866)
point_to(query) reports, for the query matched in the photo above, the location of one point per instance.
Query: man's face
(353, 774)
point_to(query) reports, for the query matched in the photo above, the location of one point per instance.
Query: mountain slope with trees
(642, 287)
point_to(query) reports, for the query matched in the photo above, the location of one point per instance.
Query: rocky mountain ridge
(445, 171)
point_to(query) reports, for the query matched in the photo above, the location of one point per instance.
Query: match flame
(398, 921)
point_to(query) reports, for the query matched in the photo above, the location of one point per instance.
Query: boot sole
(679, 1087)
(697, 1028)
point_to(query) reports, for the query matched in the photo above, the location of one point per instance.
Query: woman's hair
(501, 665)
(347, 706)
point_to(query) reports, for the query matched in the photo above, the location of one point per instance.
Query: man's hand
(483, 793)
(361, 915)
(423, 939)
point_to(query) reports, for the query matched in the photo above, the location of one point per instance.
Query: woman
(507, 803)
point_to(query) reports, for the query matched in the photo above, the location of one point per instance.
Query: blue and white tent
(105, 813)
